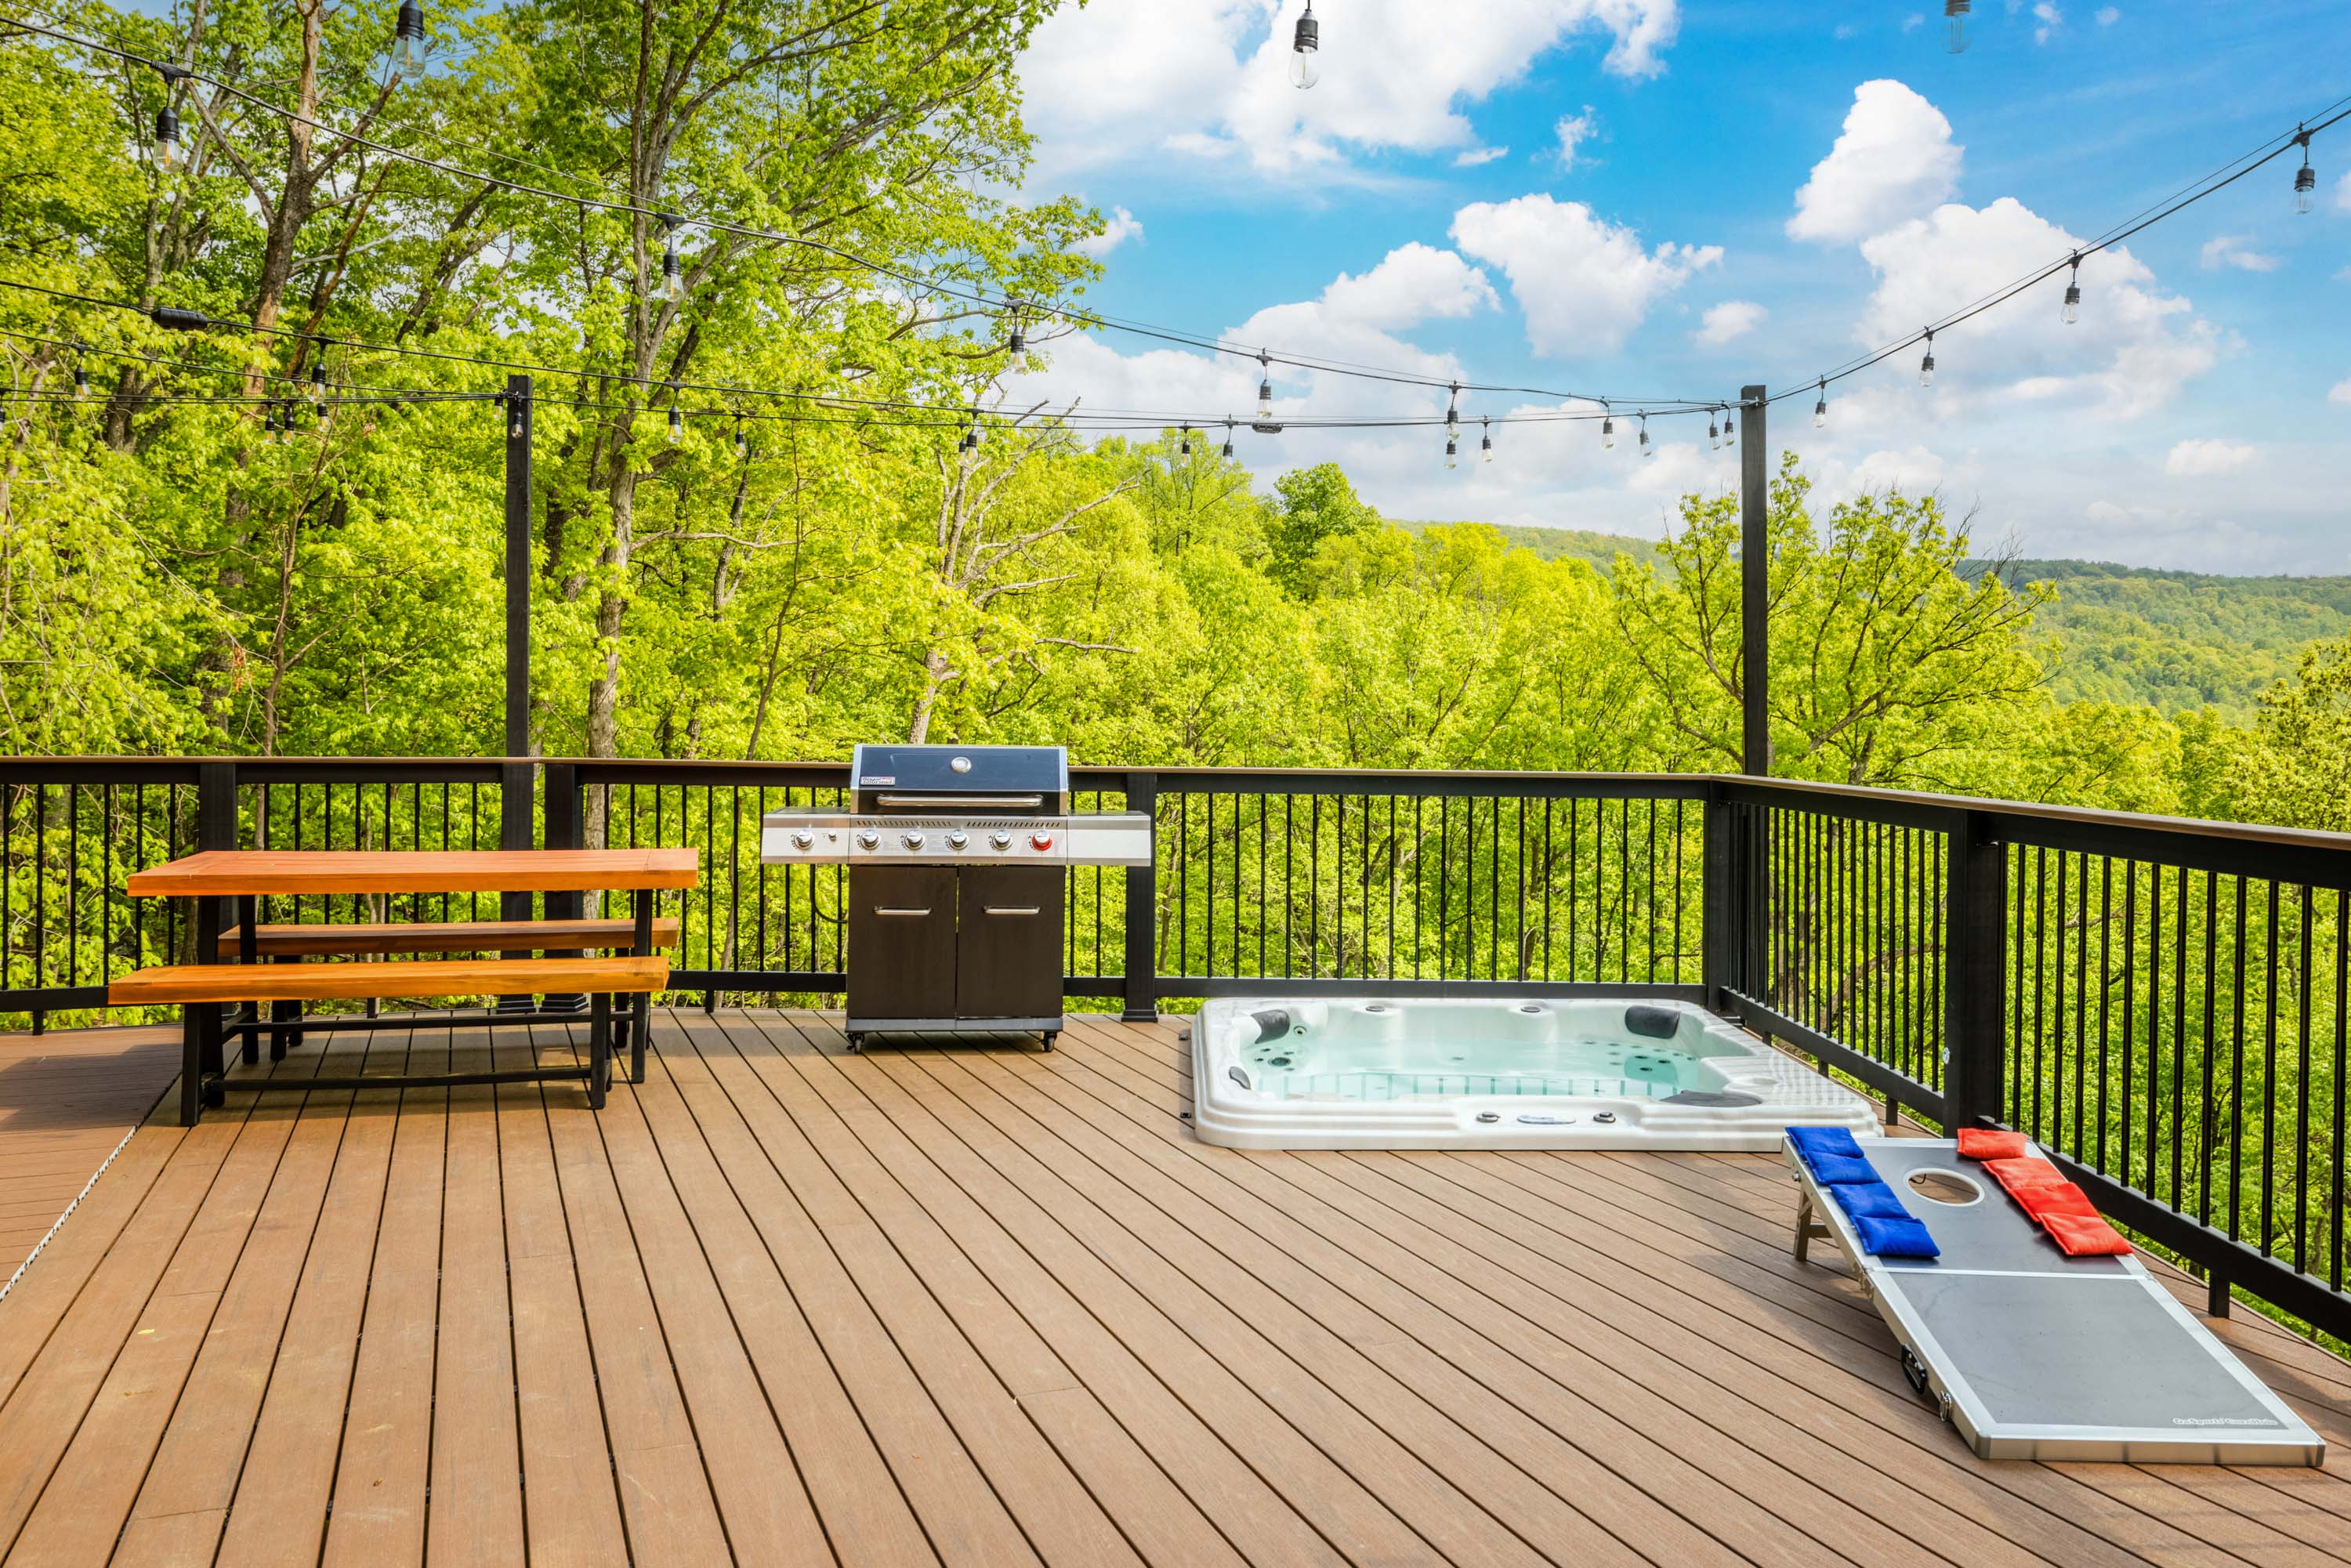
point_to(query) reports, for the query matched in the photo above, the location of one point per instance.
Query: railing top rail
(2305, 855)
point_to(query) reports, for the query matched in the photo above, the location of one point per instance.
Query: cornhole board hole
(2032, 1354)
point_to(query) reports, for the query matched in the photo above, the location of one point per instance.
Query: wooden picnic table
(241, 878)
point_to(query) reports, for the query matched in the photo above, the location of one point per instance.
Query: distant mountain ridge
(2177, 641)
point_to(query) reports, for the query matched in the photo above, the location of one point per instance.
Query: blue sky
(1419, 207)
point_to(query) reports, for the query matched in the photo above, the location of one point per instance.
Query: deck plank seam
(1282, 1419)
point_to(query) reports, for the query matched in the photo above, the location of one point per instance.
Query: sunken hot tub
(1275, 1072)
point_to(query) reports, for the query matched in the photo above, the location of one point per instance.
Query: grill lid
(945, 772)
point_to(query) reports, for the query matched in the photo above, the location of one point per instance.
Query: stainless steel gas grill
(958, 860)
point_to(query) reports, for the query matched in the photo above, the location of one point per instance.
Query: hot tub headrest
(1273, 1023)
(1657, 1023)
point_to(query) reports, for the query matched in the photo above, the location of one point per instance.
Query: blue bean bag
(1870, 1200)
(1895, 1237)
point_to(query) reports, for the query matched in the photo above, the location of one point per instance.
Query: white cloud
(1893, 160)
(1730, 320)
(1115, 82)
(2108, 16)
(2340, 391)
(1584, 284)
(1913, 22)
(2343, 193)
(1574, 130)
(2050, 19)
(2135, 348)
(2199, 456)
(1123, 226)
(1843, 31)
(2235, 250)
(1477, 155)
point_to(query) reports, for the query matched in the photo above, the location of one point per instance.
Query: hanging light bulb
(1451, 448)
(513, 417)
(1228, 438)
(1485, 441)
(742, 447)
(971, 432)
(1713, 436)
(1955, 29)
(1927, 365)
(1188, 441)
(2071, 311)
(81, 380)
(1607, 429)
(1821, 409)
(673, 281)
(1018, 344)
(1453, 412)
(317, 388)
(676, 418)
(408, 40)
(1646, 450)
(1264, 385)
(1304, 43)
(2305, 179)
(1730, 429)
(167, 152)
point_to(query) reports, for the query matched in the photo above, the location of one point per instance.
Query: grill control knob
(911, 838)
(867, 838)
(1040, 840)
(802, 839)
(958, 839)
(1000, 840)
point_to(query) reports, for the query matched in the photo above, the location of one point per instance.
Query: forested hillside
(2178, 640)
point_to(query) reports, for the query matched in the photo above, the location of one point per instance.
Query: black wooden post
(517, 428)
(1975, 1004)
(1143, 910)
(515, 825)
(1754, 584)
(1725, 903)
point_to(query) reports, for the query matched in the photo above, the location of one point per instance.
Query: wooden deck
(67, 1099)
(782, 1304)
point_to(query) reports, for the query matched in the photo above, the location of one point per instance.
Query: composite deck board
(987, 1305)
(66, 1100)
(1582, 1339)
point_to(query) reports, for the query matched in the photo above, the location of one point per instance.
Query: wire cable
(910, 279)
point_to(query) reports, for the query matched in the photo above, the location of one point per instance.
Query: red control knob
(1040, 840)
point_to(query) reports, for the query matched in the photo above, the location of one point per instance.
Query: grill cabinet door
(902, 942)
(1010, 962)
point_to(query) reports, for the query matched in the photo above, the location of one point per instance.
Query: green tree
(1318, 505)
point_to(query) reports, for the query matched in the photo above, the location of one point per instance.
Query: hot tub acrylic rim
(1227, 1114)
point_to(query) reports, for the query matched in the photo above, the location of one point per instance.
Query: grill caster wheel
(1050, 1035)
(857, 1042)
(216, 1094)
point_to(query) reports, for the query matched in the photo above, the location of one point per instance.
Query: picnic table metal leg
(192, 1063)
(630, 1023)
(642, 1010)
(599, 1049)
(248, 951)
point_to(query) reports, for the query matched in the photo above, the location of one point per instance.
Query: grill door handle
(1015, 909)
(965, 802)
(898, 914)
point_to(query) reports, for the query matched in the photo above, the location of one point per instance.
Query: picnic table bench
(561, 968)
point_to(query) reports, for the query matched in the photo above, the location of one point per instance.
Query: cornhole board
(2032, 1354)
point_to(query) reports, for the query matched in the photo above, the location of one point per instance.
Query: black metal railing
(2161, 1003)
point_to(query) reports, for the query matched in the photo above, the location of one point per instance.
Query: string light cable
(1005, 305)
(1079, 418)
(2186, 196)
